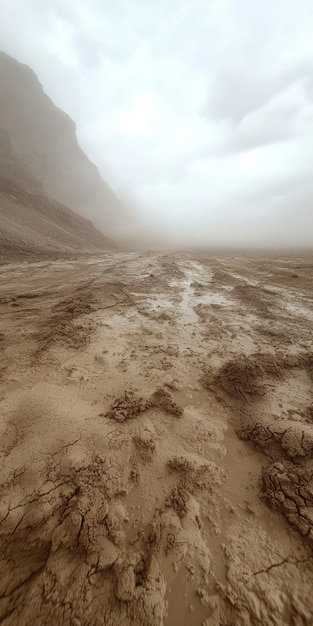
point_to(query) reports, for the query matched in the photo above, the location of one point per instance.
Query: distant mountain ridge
(44, 139)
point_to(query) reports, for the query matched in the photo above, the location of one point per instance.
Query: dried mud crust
(65, 543)
(287, 483)
(289, 488)
(129, 406)
(245, 378)
(294, 442)
(65, 539)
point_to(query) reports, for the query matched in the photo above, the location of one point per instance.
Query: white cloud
(202, 111)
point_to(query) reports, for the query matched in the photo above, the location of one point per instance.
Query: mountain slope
(44, 139)
(47, 183)
(34, 226)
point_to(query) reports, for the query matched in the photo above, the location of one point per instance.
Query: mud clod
(129, 406)
(126, 407)
(162, 399)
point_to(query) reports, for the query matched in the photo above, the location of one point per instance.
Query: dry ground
(157, 441)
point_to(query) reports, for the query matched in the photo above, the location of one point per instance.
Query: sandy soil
(157, 441)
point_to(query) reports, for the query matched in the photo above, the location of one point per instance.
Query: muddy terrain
(157, 440)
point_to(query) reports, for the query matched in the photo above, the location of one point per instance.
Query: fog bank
(201, 114)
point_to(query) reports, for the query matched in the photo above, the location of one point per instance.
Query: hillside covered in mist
(48, 186)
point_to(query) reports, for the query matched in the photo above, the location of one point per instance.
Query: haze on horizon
(199, 114)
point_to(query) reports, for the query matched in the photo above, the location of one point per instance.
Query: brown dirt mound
(193, 478)
(145, 447)
(245, 377)
(178, 500)
(128, 406)
(162, 399)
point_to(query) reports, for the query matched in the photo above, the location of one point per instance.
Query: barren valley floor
(157, 440)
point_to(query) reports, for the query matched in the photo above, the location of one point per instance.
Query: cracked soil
(157, 440)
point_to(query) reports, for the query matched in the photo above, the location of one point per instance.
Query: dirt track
(157, 441)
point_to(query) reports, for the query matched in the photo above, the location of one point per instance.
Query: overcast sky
(199, 111)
